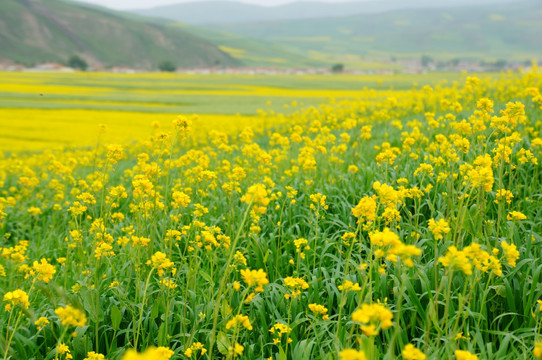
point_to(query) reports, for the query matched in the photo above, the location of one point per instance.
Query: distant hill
(507, 31)
(33, 31)
(231, 12)
(255, 52)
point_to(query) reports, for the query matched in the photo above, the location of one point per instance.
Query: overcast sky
(142, 4)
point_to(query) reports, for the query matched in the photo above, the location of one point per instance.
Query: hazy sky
(141, 4)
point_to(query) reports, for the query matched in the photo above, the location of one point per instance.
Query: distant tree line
(337, 68)
(167, 66)
(76, 62)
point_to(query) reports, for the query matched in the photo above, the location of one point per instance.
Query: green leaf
(225, 309)
(162, 334)
(86, 298)
(223, 343)
(303, 350)
(282, 354)
(206, 276)
(500, 290)
(116, 317)
(155, 310)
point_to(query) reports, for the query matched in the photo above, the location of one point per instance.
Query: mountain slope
(255, 52)
(33, 31)
(230, 12)
(504, 30)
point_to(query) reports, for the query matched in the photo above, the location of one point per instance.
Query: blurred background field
(42, 110)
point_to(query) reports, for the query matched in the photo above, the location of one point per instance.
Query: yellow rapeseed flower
(41, 323)
(257, 195)
(239, 320)
(439, 228)
(505, 195)
(516, 216)
(236, 350)
(349, 286)
(71, 316)
(34, 211)
(114, 153)
(256, 278)
(365, 210)
(161, 263)
(43, 271)
(152, 353)
(63, 349)
(279, 329)
(352, 354)
(295, 285)
(456, 260)
(180, 199)
(411, 353)
(194, 348)
(319, 310)
(373, 318)
(511, 252)
(94, 356)
(465, 355)
(16, 298)
(384, 238)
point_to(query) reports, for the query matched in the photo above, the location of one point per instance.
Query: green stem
(141, 308)
(224, 279)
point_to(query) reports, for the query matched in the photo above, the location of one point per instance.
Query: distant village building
(122, 70)
(405, 66)
(51, 66)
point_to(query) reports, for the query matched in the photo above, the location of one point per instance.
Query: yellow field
(35, 129)
(48, 110)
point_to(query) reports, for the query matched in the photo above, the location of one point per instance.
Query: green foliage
(167, 66)
(337, 68)
(426, 60)
(76, 62)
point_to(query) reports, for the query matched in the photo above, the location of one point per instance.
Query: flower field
(388, 224)
(44, 110)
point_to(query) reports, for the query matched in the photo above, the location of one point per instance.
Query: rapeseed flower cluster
(70, 316)
(158, 353)
(410, 352)
(294, 285)
(373, 317)
(319, 310)
(16, 298)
